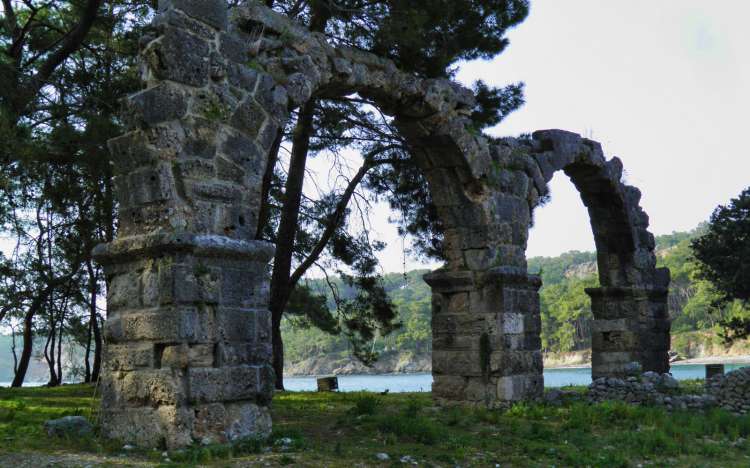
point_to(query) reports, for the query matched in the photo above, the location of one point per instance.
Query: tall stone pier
(630, 325)
(188, 343)
(486, 348)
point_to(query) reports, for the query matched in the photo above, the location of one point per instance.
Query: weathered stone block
(445, 341)
(466, 363)
(212, 12)
(140, 426)
(213, 190)
(127, 357)
(200, 137)
(173, 324)
(470, 324)
(242, 76)
(180, 56)
(615, 340)
(161, 103)
(194, 169)
(240, 287)
(249, 118)
(513, 323)
(610, 325)
(180, 20)
(130, 152)
(449, 387)
(123, 292)
(209, 384)
(236, 325)
(209, 424)
(243, 151)
(148, 186)
(509, 362)
(183, 356)
(520, 387)
(234, 48)
(149, 427)
(148, 387)
(234, 353)
(229, 171)
(267, 135)
(246, 419)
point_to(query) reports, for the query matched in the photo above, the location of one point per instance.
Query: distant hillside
(412, 297)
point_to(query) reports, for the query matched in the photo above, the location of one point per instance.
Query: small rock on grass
(75, 426)
(382, 456)
(408, 460)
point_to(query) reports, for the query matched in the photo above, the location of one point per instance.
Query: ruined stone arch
(631, 321)
(188, 334)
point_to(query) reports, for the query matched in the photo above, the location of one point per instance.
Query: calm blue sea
(423, 382)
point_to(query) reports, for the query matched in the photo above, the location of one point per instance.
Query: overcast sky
(663, 85)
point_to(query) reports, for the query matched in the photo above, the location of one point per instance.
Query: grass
(348, 429)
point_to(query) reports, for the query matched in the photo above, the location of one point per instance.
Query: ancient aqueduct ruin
(189, 344)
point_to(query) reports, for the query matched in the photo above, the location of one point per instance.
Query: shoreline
(741, 359)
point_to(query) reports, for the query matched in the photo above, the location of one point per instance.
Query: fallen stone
(68, 426)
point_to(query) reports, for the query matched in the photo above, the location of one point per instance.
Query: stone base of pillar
(188, 341)
(486, 327)
(630, 325)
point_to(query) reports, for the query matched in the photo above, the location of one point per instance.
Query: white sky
(663, 85)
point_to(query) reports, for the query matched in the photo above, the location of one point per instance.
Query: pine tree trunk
(28, 343)
(28, 333)
(92, 374)
(50, 357)
(97, 349)
(282, 264)
(87, 356)
(59, 349)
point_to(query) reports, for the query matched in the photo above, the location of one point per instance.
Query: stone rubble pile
(730, 391)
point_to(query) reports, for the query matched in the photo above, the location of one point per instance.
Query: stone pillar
(630, 325)
(486, 327)
(188, 343)
(187, 340)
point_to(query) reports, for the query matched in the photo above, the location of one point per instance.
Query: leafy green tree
(64, 68)
(724, 254)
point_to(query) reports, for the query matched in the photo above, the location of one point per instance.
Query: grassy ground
(349, 429)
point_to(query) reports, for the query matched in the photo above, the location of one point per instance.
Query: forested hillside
(565, 307)
(409, 293)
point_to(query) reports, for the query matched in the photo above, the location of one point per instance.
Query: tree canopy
(723, 252)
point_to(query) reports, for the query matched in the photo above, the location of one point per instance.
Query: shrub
(365, 405)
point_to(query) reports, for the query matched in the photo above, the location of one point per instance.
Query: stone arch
(188, 334)
(631, 322)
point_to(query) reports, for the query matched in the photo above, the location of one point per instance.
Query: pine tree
(724, 256)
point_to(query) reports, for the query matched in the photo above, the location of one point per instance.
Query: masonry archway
(188, 334)
(631, 322)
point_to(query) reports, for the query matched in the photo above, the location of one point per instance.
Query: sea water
(558, 377)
